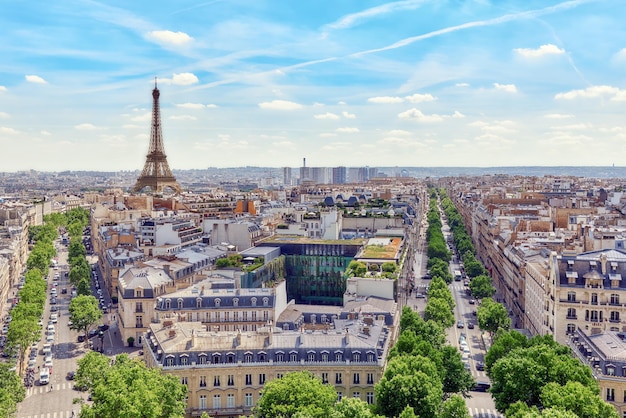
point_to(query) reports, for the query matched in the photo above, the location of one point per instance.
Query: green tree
(296, 393)
(504, 343)
(482, 287)
(454, 407)
(21, 334)
(353, 408)
(439, 311)
(521, 410)
(493, 316)
(389, 267)
(409, 381)
(12, 391)
(455, 379)
(128, 389)
(356, 269)
(576, 398)
(443, 294)
(407, 412)
(84, 312)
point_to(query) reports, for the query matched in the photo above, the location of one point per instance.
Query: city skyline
(355, 83)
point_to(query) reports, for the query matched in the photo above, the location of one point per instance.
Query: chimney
(166, 267)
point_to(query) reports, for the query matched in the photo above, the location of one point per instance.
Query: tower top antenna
(155, 82)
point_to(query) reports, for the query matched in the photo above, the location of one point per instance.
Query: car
(64, 291)
(460, 324)
(481, 386)
(93, 333)
(103, 327)
(466, 365)
(70, 375)
(474, 313)
(427, 276)
(420, 295)
(48, 364)
(54, 317)
(465, 282)
(470, 325)
(50, 338)
(480, 366)
(53, 301)
(54, 308)
(472, 301)
(81, 338)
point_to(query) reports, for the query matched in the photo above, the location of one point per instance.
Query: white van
(47, 349)
(50, 328)
(44, 376)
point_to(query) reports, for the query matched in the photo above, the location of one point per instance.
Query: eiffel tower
(156, 172)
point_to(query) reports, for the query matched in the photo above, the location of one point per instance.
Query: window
(370, 378)
(230, 400)
(253, 315)
(279, 375)
(138, 293)
(356, 394)
(370, 357)
(293, 356)
(614, 316)
(231, 380)
(614, 299)
(625, 397)
(248, 379)
(594, 298)
(184, 380)
(138, 307)
(369, 397)
(325, 379)
(247, 358)
(571, 313)
(216, 381)
(311, 356)
(571, 296)
(356, 378)
(261, 378)
(265, 316)
(139, 321)
(184, 360)
(202, 381)
(324, 356)
(339, 396)
(248, 399)
(610, 394)
(338, 378)
(280, 357)
(202, 359)
(217, 402)
(180, 303)
(169, 361)
(199, 303)
(168, 303)
(253, 301)
(202, 403)
(610, 370)
(235, 302)
(245, 315)
(217, 302)
(338, 356)
(261, 357)
(571, 328)
(266, 301)
(356, 356)
(216, 358)
(230, 358)
(594, 316)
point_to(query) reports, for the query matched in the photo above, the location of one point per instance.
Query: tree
(21, 334)
(493, 316)
(407, 412)
(454, 407)
(353, 408)
(576, 398)
(456, 379)
(12, 391)
(389, 267)
(126, 388)
(356, 269)
(443, 294)
(504, 343)
(482, 287)
(84, 312)
(521, 410)
(439, 311)
(409, 381)
(296, 393)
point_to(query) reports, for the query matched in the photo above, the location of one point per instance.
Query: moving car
(481, 386)
(480, 366)
(44, 376)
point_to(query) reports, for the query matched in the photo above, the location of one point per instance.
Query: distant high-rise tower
(156, 172)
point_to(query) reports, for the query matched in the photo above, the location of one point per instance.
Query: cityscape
(381, 209)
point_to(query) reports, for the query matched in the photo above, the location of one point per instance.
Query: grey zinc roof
(143, 277)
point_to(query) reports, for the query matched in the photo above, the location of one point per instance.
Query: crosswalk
(52, 387)
(58, 414)
(484, 413)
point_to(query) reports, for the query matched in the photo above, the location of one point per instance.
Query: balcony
(572, 317)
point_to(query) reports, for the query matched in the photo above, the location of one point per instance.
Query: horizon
(408, 83)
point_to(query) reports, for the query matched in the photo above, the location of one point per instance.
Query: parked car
(482, 386)
(480, 365)
(472, 301)
(470, 325)
(460, 324)
(70, 375)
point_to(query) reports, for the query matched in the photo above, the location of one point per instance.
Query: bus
(457, 275)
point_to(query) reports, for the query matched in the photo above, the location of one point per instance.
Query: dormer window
(168, 303)
(235, 302)
(199, 303)
(180, 303)
(138, 293)
(218, 302)
(253, 301)
(266, 301)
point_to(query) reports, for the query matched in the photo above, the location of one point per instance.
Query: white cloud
(457, 115)
(419, 98)
(573, 127)
(620, 96)
(509, 88)
(462, 84)
(326, 115)
(4, 115)
(190, 105)
(557, 116)
(3, 88)
(182, 79)
(398, 132)
(547, 49)
(280, 105)
(35, 79)
(183, 117)
(167, 37)
(589, 93)
(348, 115)
(385, 99)
(6, 130)
(394, 140)
(347, 130)
(341, 102)
(416, 114)
(85, 127)
(146, 117)
(328, 135)
(45, 133)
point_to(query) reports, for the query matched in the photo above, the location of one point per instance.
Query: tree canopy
(85, 312)
(493, 316)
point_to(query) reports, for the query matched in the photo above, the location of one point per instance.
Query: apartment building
(225, 371)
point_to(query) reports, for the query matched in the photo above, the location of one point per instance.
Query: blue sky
(340, 82)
